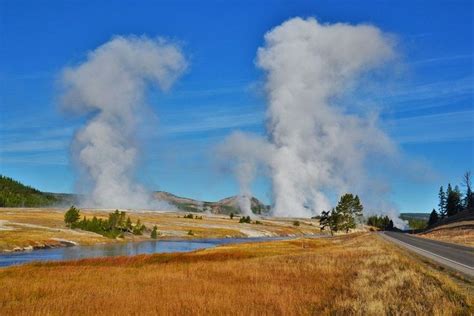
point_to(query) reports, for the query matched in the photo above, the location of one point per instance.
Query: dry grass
(459, 233)
(22, 227)
(358, 274)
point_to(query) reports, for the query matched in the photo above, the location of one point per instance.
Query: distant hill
(421, 216)
(15, 194)
(224, 206)
(416, 220)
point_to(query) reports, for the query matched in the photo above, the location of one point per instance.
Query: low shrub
(245, 220)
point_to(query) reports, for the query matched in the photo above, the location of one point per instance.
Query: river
(120, 249)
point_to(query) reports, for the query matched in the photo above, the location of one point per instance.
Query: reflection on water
(122, 249)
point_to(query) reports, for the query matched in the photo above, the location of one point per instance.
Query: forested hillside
(16, 194)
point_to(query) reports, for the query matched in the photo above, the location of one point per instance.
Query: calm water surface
(122, 249)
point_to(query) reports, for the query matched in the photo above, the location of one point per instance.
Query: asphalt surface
(457, 257)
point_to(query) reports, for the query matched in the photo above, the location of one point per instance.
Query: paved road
(460, 258)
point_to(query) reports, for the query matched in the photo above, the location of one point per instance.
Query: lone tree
(433, 218)
(72, 216)
(349, 208)
(154, 232)
(344, 216)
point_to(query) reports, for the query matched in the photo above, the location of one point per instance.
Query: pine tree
(330, 219)
(128, 224)
(324, 220)
(139, 228)
(390, 225)
(459, 199)
(442, 202)
(469, 196)
(386, 223)
(433, 218)
(453, 201)
(349, 208)
(154, 232)
(71, 216)
(449, 190)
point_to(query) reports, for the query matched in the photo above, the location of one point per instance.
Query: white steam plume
(110, 86)
(247, 153)
(318, 148)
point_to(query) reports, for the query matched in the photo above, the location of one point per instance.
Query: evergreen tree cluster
(244, 219)
(381, 222)
(248, 220)
(453, 201)
(344, 216)
(115, 226)
(191, 216)
(16, 194)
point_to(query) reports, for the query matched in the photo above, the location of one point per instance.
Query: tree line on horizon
(381, 222)
(452, 201)
(15, 194)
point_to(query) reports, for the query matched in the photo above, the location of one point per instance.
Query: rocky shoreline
(52, 243)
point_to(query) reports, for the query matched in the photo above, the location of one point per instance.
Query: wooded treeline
(453, 200)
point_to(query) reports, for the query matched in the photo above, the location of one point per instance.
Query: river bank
(25, 229)
(123, 249)
(351, 274)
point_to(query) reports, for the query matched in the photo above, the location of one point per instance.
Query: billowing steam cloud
(248, 152)
(110, 87)
(317, 148)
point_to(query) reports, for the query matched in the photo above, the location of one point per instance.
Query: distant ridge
(225, 206)
(15, 194)
(421, 216)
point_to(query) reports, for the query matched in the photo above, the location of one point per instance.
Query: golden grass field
(459, 233)
(21, 227)
(357, 274)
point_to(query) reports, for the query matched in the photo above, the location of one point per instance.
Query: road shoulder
(465, 270)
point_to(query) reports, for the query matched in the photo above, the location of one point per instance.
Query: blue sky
(428, 110)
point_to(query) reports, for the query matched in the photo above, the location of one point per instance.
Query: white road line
(431, 253)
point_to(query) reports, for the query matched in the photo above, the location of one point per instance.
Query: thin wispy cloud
(33, 146)
(412, 97)
(217, 89)
(437, 89)
(211, 122)
(441, 59)
(434, 128)
(35, 159)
